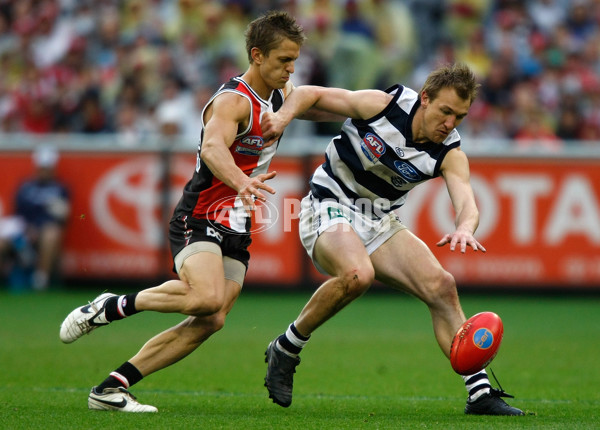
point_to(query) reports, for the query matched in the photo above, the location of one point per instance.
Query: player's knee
(212, 323)
(218, 321)
(357, 280)
(442, 287)
(205, 303)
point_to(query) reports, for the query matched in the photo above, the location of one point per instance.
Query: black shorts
(185, 230)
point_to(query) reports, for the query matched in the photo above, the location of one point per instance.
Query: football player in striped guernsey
(392, 141)
(209, 232)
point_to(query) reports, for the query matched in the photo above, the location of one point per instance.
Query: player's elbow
(208, 151)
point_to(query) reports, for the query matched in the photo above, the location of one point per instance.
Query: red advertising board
(115, 228)
(119, 220)
(540, 219)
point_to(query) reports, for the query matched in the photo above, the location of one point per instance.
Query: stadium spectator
(547, 14)
(193, 124)
(133, 126)
(428, 14)
(174, 110)
(356, 50)
(394, 39)
(570, 121)
(16, 254)
(392, 142)
(43, 203)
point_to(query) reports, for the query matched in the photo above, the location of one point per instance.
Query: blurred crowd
(137, 68)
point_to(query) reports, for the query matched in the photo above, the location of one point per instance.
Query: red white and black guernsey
(205, 197)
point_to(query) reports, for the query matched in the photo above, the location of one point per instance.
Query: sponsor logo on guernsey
(407, 171)
(337, 213)
(250, 145)
(398, 182)
(372, 146)
(399, 151)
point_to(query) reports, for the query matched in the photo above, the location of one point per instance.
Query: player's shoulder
(230, 103)
(455, 157)
(287, 90)
(406, 98)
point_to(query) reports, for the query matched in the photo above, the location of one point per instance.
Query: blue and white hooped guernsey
(373, 163)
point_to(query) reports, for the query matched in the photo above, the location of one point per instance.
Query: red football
(476, 343)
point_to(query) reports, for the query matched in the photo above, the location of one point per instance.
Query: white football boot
(84, 319)
(116, 399)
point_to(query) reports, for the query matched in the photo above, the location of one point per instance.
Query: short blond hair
(458, 76)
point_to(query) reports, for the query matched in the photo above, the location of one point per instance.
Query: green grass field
(375, 366)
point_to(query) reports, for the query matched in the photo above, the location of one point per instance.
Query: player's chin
(280, 83)
(440, 137)
(437, 137)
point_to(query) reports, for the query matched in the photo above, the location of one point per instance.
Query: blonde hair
(458, 76)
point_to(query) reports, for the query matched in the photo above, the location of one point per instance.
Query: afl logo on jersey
(372, 146)
(407, 171)
(250, 145)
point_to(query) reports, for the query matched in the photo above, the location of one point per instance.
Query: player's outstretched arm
(455, 171)
(321, 103)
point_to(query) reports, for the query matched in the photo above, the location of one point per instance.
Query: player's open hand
(272, 128)
(463, 239)
(251, 190)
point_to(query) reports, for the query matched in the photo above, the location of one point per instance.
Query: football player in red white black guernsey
(208, 197)
(210, 229)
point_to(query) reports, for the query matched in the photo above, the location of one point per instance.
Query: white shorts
(316, 216)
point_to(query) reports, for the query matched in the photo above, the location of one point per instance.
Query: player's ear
(424, 99)
(257, 55)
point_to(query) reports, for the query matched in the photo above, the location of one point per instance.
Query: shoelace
(85, 325)
(495, 392)
(127, 393)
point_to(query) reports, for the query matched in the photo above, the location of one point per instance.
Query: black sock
(125, 376)
(119, 307)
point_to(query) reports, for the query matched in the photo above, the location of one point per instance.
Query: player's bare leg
(162, 350)
(339, 251)
(177, 342)
(200, 290)
(342, 254)
(406, 263)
